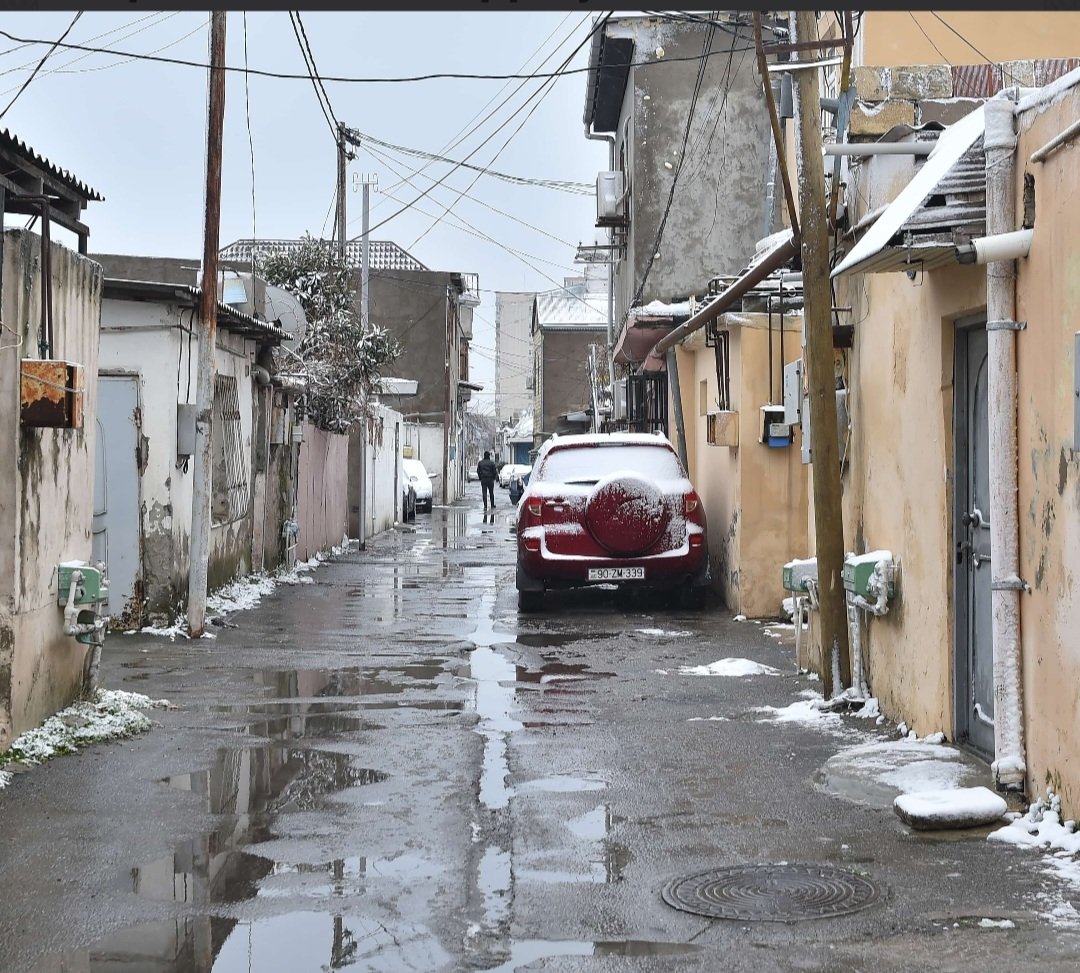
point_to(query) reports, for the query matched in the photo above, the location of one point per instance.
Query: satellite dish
(283, 307)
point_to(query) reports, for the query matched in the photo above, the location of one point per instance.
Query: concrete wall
(322, 496)
(385, 476)
(513, 353)
(755, 496)
(46, 489)
(564, 383)
(718, 209)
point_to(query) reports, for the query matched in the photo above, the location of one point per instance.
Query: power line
(314, 70)
(342, 79)
(33, 74)
(327, 111)
(251, 142)
(599, 23)
(930, 40)
(1001, 67)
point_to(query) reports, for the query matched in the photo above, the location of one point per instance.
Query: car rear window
(588, 464)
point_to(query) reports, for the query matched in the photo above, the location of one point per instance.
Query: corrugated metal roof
(571, 308)
(16, 145)
(228, 316)
(383, 254)
(943, 205)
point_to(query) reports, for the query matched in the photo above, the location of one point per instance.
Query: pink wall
(322, 504)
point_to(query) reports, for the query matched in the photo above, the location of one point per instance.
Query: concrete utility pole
(365, 300)
(199, 547)
(820, 371)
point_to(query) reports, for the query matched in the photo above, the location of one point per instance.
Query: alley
(388, 769)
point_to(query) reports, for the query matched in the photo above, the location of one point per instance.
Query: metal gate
(116, 525)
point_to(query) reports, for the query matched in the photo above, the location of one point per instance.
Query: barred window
(230, 480)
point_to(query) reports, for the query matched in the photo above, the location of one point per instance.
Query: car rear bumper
(535, 571)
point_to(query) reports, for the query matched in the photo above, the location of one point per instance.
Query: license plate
(616, 574)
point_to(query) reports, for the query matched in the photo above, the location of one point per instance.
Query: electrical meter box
(91, 590)
(185, 429)
(774, 431)
(858, 570)
(793, 392)
(797, 573)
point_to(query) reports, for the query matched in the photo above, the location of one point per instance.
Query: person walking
(487, 473)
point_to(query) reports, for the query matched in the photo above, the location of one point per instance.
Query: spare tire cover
(626, 513)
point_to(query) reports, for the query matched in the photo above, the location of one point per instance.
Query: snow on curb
(954, 807)
(112, 715)
(244, 594)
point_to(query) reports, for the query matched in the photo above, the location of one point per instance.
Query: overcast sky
(136, 132)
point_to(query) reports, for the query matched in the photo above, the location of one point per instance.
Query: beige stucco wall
(754, 495)
(1048, 298)
(46, 484)
(892, 38)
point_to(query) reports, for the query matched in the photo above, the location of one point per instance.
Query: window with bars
(230, 480)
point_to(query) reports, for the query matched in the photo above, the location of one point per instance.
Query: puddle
(348, 683)
(286, 943)
(526, 951)
(555, 672)
(596, 825)
(314, 725)
(564, 784)
(273, 779)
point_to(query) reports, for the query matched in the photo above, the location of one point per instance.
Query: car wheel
(692, 597)
(530, 601)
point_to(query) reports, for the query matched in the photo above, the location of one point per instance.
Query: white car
(511, 470)
(421, 481)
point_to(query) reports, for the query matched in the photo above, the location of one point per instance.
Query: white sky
(136, 132)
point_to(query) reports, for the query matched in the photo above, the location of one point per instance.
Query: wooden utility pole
(340, 220)
(199, 547)
(820, 371)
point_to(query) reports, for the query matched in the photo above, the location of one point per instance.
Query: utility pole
(820, 371)
(199, 546)
(365, 301)
(339, 222)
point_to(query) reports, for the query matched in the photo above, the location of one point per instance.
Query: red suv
(613, 508)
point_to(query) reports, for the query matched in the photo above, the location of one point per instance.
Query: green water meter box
(858, 570)
(91, 590)
(797, 573)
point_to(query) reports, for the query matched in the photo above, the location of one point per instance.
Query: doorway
(974, 643)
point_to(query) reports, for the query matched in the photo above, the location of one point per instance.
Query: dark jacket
(487, 471)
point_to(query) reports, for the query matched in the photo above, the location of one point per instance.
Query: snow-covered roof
(522, 430)
(571, 307)
(382, 255)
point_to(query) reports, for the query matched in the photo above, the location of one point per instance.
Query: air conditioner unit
(610, 189)
(722, 428)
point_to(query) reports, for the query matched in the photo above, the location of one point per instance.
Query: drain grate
(771, 893)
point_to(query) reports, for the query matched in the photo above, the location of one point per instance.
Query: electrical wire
(342, 79)
(929, 39)
(597, 26)
(251, 142)
(48, 53)
(1000, 67)
(327, 112)
(314, 70)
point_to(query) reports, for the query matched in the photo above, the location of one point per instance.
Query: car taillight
(534, 508)
(690, 503)
(532, 544)
(696, 540)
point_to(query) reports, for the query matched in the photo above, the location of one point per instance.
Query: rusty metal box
(51, 394)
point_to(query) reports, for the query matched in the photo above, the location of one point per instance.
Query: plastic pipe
(1001, 246)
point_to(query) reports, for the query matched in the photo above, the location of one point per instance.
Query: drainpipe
(610, 139)
(676, 401)
(1009, 766)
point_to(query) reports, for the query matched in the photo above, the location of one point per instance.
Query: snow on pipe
(855, 635)
(1010, 765)
(878, 148)
(1001, 246)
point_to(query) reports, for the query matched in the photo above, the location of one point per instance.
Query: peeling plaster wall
(143, 338)
(1048, 299)
(46, 494)
(717, 212)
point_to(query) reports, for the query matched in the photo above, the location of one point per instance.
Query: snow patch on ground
(996, 924)
(740, 618)
(809, 711)
(111, 715)
(910, 766)
(243, 594)
(660, 633)
(708, 719)
(729, 667)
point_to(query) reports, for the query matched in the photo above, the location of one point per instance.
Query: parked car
(613, 508)
(408, 500)
(517, 484)
(420, 479)
(511, 469)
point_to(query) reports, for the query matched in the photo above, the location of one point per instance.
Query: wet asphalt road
(388, 769)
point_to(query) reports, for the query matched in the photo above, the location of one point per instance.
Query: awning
(644, 327)
(920, 228)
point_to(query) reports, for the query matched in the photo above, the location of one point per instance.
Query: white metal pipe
(878, 148)
(855, 636)
(1040, 155)
(1002, 246)
(1010, 765)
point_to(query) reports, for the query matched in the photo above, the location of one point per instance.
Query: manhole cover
(771, 893)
